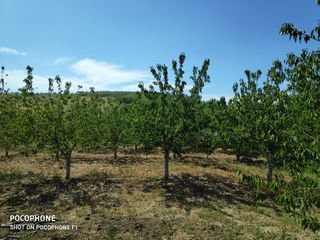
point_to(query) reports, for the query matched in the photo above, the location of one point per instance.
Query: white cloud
(62, 60)
(107, 74)
(40, 83)
(15, 78)
(11, 51)
(87, 73)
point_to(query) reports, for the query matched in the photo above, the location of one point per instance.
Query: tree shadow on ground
(142, 228)
(127, 160)
(92, 159)
(202, 162)
(121, 160)
(42, 191)
(7, 158)
(251, 162)
(199, 191)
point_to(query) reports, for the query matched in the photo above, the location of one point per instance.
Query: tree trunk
(269, 172)
(57, 156)
(135, 148)
(166, 165)
(57, 159)
(68, 165)
(7, 153)
(115, 153)
(238, 156)
(177, 155)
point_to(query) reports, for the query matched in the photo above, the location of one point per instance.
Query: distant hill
(121, 96)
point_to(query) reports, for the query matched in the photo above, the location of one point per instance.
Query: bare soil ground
(127, 199)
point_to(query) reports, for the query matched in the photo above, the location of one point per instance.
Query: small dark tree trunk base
(115, 155)
(68, 166)
(57, 157)
(269, 173)
(136, 148)
(166, 165)
(238, 156)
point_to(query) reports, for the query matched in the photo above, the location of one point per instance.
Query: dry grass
(126, 198)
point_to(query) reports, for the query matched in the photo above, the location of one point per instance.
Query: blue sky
(110, 44)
